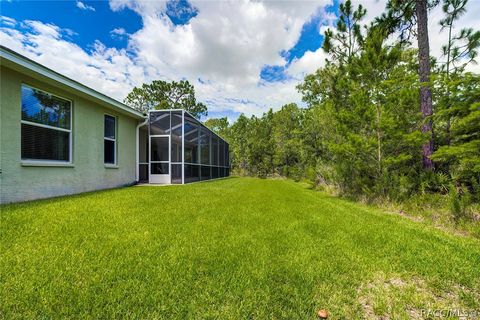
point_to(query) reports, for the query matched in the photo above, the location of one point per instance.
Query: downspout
(137, 148)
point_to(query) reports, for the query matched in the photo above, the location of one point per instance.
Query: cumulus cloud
(221, 50)
(118, 33)
(7, 21)
(84, 6)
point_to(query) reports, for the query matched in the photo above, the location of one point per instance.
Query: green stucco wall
(19, 182)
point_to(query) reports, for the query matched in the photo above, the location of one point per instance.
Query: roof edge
(16, 58)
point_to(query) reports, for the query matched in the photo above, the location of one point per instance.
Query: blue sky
(96, 27)
(87, 25)
(241, 56)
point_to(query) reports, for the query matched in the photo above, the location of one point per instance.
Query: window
(46, 126)
(110, 140)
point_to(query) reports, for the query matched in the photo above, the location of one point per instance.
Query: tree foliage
(166, 95)
(363, 126)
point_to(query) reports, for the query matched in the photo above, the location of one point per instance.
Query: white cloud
(7, 21)
(119, 33)
(226, 45)
(84, 6)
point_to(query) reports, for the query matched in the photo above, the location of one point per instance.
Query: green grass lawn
(228, 249)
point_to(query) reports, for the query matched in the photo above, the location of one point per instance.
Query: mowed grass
(229, 249)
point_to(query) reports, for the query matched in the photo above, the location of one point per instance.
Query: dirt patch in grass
(394, 297)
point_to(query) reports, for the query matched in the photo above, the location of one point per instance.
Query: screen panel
(176, 134)
(191, 147)
(221, 151)
(176, 173)
(214, 172)
(159, 147)
(205, 146)
(159, 168)
(159, 122)
(205, 173)
(192, 173)
(227, 155)
(214, 150)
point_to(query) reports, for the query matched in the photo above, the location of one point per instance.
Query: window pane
(205, 146)
(159, 147)
(41, 107)
(159, 168)
(109, 127)
(160, 122)
(191, 173)
(45, 144)
(176, 173)
(109, 151)
(191, 140)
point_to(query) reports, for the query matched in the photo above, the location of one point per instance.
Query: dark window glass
(45, 144)
(205, 173)
(109, 139)
(109, 127)
(160, 122)
(192, 173)
(205, 146)
(176, 173)
(159, 147)
(214, 172)
(109, 151)
(44, 108)
(191, 140)
(176, 141)
(159, 168)
(227, 172)
(221, 151)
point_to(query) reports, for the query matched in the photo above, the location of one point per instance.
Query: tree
(287, 124)
(166, 95)
(403, 15)
(459, 51)
(343, 43)
(218, 125)
(424, 73)
(463, 154)
(238, 143)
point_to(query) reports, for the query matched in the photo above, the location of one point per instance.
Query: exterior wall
(19, 182)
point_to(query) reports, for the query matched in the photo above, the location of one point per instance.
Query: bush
(460, 200)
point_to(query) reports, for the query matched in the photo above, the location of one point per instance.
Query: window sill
(111, 166)
(47, 164)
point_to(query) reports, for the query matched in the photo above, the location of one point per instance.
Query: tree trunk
(424, 73)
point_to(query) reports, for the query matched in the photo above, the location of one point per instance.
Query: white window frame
(114, 164)
(70, 138)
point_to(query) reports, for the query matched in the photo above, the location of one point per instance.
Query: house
(59, 137)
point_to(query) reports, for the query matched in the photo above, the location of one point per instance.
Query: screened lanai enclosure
(176, 148)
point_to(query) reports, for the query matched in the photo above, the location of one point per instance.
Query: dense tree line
(382, 118)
